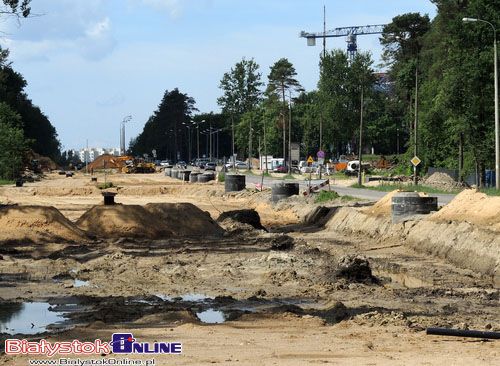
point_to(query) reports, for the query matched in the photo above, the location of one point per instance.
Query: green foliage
(105, 185)
(13, 145)
(221, 177)
(35, 125)
(4, 182)
(325, 196)
(241, 88)
(168, 130)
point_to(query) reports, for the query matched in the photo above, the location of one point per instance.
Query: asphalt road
(367, 194)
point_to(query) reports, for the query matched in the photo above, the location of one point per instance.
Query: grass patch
(406, 187)
(221, 177)
(490, 191)
(4, 182)
(288, 176)
(105, 185)
(325, 196)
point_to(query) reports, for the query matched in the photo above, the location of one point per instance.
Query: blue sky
(89, 63)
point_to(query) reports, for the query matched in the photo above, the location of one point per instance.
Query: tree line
(438, 76)
(23, 126)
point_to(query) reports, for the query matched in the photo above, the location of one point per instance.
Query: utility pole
(232, 141)
(415, 178)
(250, 147)
(290, 135)
(324, 32)
(360, 147)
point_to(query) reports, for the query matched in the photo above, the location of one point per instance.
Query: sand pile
(64, 191)
(37, 224)
(474, 207)
(185, 219)
(382, 206)
(106, 161)
(442, 181)
(117, 221)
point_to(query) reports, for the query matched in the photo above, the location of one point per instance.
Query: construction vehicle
(138, 166)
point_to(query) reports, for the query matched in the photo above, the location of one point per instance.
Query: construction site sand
(118, 221)
(474, 207)
(153, 221)
(185, 219)
(37, 224)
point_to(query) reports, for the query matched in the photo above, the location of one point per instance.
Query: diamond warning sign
(415, 161)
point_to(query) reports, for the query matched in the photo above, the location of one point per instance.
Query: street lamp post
(122, 134)
(497, 125)
(198, 138)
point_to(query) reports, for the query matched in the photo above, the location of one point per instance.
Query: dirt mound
(37, 224)
(474, 207)
(382, 206)
(442, 181)
(250, 219)
(354, 268)
(185, 219)
(117, 221)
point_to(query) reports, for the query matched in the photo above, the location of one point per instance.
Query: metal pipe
(463, 333)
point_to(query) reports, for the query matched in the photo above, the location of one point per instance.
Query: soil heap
(240, 221)
(474, 207)
(442, 181)
(383, 206)
(117, 221)
(37, 224)
(185, 219)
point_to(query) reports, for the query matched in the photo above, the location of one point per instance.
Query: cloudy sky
(90, 63)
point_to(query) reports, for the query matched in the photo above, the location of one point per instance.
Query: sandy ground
(302, 311)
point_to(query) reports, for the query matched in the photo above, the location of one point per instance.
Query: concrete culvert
(355, 268)
(407, 204)
(281, 191)
(234, 183)
(193, 177)
(249, 217)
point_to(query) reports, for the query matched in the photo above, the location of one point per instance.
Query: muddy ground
(295, 295)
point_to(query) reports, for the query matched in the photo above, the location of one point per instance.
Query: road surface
(367, 194)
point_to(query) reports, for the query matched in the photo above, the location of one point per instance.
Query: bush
(105, 185)
(221, 177)
(325, 196)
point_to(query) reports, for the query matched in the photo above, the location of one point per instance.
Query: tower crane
(350, 33)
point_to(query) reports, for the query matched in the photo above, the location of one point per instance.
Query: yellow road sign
(415, 161)
(310, 160)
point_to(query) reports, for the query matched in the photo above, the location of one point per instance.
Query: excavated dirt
(359, 290)
(442, 181)
(35, 224)
(185, 219)
(123, 221)
(473, 207)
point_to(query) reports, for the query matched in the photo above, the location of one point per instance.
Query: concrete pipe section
(281, 191)
(407, 204)
(234, 182)
(193, 177)
(206, 177)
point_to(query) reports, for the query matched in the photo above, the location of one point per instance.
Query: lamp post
(122, 134)
(198, 137)
(189, 140)
(497, 125)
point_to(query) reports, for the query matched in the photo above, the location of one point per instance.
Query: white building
(90, 154)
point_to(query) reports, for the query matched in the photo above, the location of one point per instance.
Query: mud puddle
(32, 317)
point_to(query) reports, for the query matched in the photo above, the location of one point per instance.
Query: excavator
(138, 166)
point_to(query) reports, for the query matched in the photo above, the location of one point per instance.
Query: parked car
(280, 169)
(237, 165)
(165, 163)
(181, 164)
(210, 166)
